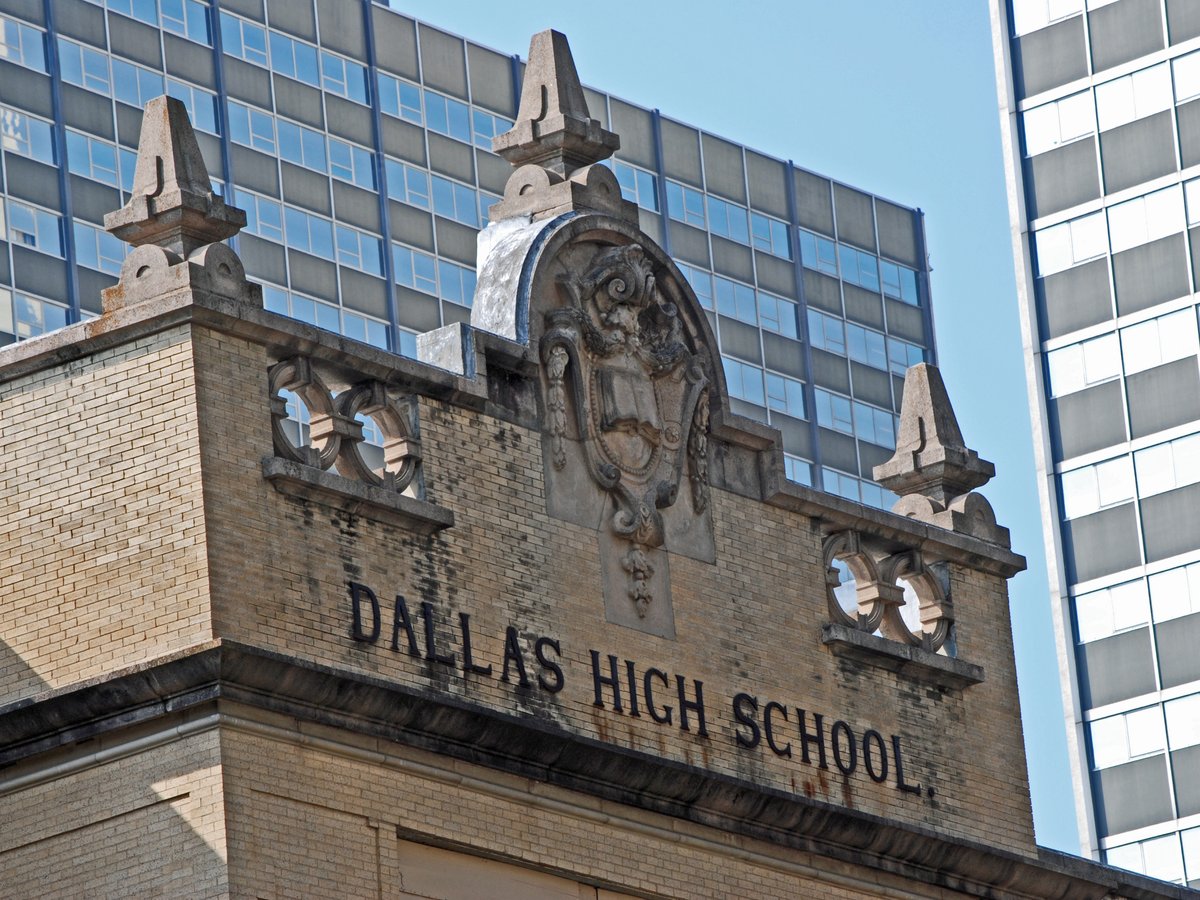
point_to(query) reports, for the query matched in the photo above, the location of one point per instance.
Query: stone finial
(554, 128)
(173, 204)
(555, 144)
(933, 470)
(174, 219)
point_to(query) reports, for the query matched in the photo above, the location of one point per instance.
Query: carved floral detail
(556, 405)
(698, 454)
(640, 571)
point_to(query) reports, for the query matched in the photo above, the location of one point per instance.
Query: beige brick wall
(117, 542)
(101, 518)
(148, 824)
(750, 623)
(315, 820)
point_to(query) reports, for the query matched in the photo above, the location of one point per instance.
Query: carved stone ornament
(626, 420)
(886, 585)
(336, 432)
(175, 220)
(629, 363)
(933, 470)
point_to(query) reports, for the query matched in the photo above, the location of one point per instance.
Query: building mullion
(385, 219)
(810, 392)
(60, 152)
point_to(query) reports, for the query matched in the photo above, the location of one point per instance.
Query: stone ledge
(355, 497)
(896, 657)
(227, 675)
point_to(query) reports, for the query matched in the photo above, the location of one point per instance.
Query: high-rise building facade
(1101, 127)
(359, 143)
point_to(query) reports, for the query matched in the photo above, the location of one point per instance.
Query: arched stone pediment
(629, 372)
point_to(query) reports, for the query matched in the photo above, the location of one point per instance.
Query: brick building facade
(568, 633)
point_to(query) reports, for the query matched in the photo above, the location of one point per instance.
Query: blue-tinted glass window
(889, 277)
(834, 411)
(848, 260)
(685, 204)
(243, 39)
(275, 299)
(400, 98)
(637, 185)
(858, 267)
(408, 344)
(908, 286)
(744, 381)
(797, 470)
(736, 300)
(701, 283)
(359, 250)
(127, 162)
(294, 59)
(770, 235)
(97, 249)
(898, 282)
(27, 317)
(25, 135)
(302, 146)
(455, 201)
(264, 217)
(142, 10)
(352, 163)
(29, 226)
(343, 77)
(868, 271)
(406, 183)
(826, 332)
(135, 85)
(902, 354)
(414, 268)
(251, 127)
(486, 126)
(866, 346)
(486, 202)
(361, 328)
(818, 253)
(22, 44)
(456, 283)
(777, 314)
(92, 158)
(728, 220)
(309, 233)
(83, 67)
(874, 425)
(785, 395)
(187, 18)
(447, 116)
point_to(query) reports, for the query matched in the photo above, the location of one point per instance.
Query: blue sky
(897, 97)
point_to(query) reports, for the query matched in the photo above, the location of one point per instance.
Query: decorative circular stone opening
(925, 617)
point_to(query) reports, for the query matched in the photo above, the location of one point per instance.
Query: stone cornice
(198, 681)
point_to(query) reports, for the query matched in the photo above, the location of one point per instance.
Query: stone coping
(345, 361)
(156, 695)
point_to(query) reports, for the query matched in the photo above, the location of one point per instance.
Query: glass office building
(358, 142)
(1101, 119)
